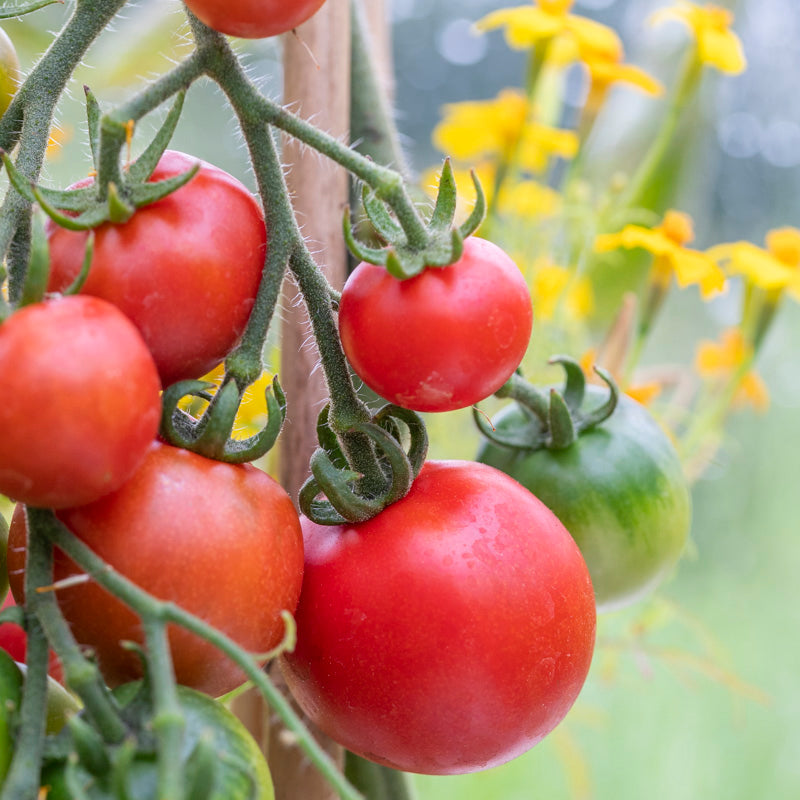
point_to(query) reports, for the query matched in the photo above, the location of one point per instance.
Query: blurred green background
(696, 693)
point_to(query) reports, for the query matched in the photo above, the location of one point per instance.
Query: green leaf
(143, 167)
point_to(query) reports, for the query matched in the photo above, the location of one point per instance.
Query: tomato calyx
(336, 493)
(408, 250)
(554, 421)
(210, 435)
(116, 194)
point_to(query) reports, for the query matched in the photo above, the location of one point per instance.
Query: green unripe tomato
(10, 698)
(619, 489)
(9, 71)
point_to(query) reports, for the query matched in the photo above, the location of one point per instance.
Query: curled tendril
(210, 435)
(444, 244)
(343, 498)
(554, 421)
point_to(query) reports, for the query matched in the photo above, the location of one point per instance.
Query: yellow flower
(603, 70)
(774, 269)
(494, 128)
(549, 283)
(58, 137)
(719, 360)
(717, 44)
(526, 26)
(529, 198)
(667, 242)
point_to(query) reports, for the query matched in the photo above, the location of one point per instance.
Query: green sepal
(554, 422)
(143, 194)
(80, 278)
(337, 486)
(445, 209)
(73, 781)
(562, 428)
(362, 252)
(93, 115)
(400, 473)
(327, 439)
(16, 8)
(119, 210)
(77, 200)
(444, 256)
(95, 215)
(478, 214)
(377, 213)
(318, 510)
(418, 434)
(603, 412)
(574, 383)
(210, 435)
(121, 769)
(143, 167)
(38, 272)
(407, 266)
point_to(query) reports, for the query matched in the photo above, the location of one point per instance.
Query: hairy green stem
(372, 129)
(82, 675)
(150, 608)
(22, 781)
(168, 721)
(33, 106)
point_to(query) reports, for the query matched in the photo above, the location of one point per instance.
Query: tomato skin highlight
(620, 491)
(223, 541)
(81, 402)
(253, 19)
(448, 634)
(443, 340)
(185, 269)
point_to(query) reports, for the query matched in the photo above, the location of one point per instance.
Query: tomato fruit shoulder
(444, 339)
(620, 491)
(81, 401)
(253, 19)
(185, 269)
(223, 541)
(448, 634)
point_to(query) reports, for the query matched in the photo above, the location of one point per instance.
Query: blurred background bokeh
(695, 693)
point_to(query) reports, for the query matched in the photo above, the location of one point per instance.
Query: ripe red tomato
(221, 540)
(185, 269)
(253, 19)
(444, 339)
(448, 634)
(80, 402)
(14, 641)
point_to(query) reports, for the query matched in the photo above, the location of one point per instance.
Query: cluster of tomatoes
(449, 633)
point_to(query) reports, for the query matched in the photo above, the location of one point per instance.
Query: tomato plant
(221, 540)
(618, 488)
(254, 19)
(448, 634)
(441, 340)
(184, 269)
(240, 770)
(81, 402)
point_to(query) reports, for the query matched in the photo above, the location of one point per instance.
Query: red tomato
(253, 19)
(448, 634)
(80, 402)
(185, 269)
(221, 540)
(444, 339)
(14, 641)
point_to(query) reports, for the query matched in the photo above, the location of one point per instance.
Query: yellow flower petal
(758, 266)
(784, 244)
(644, 393)
(632, 236)
(717, 45)
(528, 198)
(607, 72)
(523, 26)
(753, 392)
(692, 267)
(713, 358)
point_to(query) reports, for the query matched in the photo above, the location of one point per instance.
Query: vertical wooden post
(317, 87)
